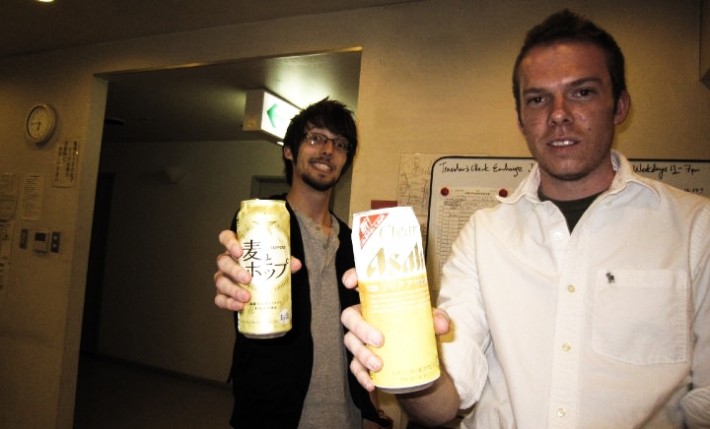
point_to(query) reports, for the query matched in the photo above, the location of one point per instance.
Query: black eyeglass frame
(317, 139)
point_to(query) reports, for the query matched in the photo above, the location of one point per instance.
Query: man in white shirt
(581, 300)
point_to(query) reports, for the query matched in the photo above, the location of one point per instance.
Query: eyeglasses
(339, 143)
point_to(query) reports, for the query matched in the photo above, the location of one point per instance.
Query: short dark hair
(566, 26)
(330, 114)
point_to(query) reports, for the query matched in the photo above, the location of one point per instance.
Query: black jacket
(270, 377)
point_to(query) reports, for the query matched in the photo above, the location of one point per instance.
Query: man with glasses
(301, 380)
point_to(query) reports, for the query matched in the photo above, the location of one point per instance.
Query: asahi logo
(386, 263)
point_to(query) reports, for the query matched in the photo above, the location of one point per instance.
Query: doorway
(95, 272)
(152, 257)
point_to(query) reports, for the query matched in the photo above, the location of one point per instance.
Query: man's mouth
(322, 166)
(562, 143)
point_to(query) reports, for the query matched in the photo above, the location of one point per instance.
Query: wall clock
(40, 123)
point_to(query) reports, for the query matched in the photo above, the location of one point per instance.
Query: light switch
(24, 238)
(54, 242)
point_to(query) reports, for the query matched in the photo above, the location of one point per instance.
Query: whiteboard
(460, 185)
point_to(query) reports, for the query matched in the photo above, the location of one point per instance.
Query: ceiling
(207, 103)
(197, 103)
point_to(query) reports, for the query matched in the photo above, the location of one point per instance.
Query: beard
(321, 186)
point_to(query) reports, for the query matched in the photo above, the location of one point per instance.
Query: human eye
(584, 92)
(534, 100)
(342, 144)
(318, 139)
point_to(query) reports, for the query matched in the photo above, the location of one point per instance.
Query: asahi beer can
(263, 227)
(394, 294)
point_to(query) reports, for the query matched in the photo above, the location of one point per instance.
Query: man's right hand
(230, 278)
(361, 334)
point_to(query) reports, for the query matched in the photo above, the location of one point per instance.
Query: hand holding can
(394, 293)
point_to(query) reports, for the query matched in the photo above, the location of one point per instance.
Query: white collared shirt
(607, 327)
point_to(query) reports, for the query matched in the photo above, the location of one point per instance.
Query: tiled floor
(116, 395)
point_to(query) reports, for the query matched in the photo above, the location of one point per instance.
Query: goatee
(319, 186)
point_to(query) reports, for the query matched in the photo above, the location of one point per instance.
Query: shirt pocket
(641, 317)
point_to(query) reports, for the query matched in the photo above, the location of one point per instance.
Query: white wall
(435, 78)
(41, 303)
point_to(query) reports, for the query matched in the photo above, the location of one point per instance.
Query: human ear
(623, 105)
(519, 121)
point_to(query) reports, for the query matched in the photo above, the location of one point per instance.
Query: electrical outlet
(41, 241)
(54, 241)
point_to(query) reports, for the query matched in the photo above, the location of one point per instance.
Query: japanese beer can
(394, 293)
(263, 227)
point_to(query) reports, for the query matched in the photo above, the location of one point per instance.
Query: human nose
(560, 113)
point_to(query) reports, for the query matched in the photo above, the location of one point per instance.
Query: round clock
(40, 124)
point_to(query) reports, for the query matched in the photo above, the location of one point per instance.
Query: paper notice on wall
(66, 164)
(413, 185)
(6, 228)
(5, 239)
(414, 176)
(8, 195)
(31, 199)
(453, 213)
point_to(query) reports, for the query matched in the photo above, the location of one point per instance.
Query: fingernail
(374, 340)
(372, 364)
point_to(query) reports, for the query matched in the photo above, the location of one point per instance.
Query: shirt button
(557, 236)
(561, 412)
(571, 289)
(566, 347)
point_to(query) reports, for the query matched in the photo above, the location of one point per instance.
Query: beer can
(394, 293)
(263, 227)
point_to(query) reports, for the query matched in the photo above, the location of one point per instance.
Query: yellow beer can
(263, 227)
(394, 294)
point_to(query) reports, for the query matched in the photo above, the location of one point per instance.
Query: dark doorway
(95, 271)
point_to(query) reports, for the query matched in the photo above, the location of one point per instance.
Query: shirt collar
(624, 177)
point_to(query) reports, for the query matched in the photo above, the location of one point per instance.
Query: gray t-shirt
(328, 403)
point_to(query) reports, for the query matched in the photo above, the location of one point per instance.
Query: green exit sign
(268, 113)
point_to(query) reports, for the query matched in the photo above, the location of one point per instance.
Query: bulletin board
(460, 185)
